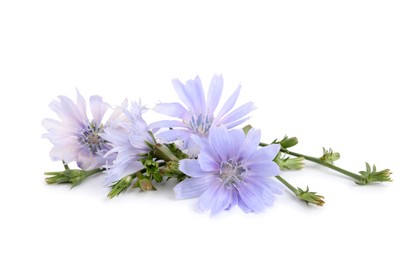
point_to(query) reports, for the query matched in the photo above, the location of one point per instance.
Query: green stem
(94, 171)
(287, 184)
(326, 164)
(304, 195)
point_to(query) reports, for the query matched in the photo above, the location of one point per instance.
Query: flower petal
(237, 139)
(216, 198)
(233, 199)
(192, 168)
(250, 144)
(266, 189)
(265, 153)
(98, 108)
(68, 111)
(81, 103)
(243, 205)
(172, 109)
(193, 187)
(166, 124)
(195, 90)
(228, 104)
(119, 171)
(263, 168)
(214, 93)
(118, 115)
(87, 161)
(173, 135)
(183, 93)
(250, 197)
(238, 113)
(220, 142)
(208, 163)
(236, 123)
(66, 153)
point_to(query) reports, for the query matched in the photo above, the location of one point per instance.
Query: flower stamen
(232, 173)
(90, 138)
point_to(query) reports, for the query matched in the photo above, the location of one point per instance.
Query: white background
(333, 73)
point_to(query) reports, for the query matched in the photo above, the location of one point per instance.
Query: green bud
(371, 175)
(288, 163)
(163, 152)
(176, 151)
(310, 197)
(121, 186)
(146, 185)
(75, 177)
(171, 170)
(288, 142)
(329, 156)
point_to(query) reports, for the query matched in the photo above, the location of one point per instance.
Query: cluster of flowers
(202, 149)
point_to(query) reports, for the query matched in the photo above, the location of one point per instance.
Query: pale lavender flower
(197, 115)
(74, 136)
(128, 139)
(231, 170)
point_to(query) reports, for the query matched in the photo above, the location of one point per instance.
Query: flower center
(232, 173)
(201, 124)
(89, 137)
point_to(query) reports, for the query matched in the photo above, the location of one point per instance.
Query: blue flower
(231, 170)
(75, 137)
(128, 139)
(197, 116)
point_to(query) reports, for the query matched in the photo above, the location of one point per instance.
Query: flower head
(128, 139)
(75, 137)
(231, 170)
(197, 116)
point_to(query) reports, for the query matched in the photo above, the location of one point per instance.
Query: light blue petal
(208, 163)
(193, 149)
(236, 139)
(214, 93)
(265, 153)
(219, 140)
(216, 198)
(200, 140)
(236, 123)
(233, 199)
(98, 108)
(173, 135)
(166, 124)
(265, 168)
(265, 188)
(205, 147)
(117, 172)
(274, 185)
(250, 196)
(59, 129)
(228, 104)
(238, 113)
(81, 103)
(191, 167)
(195, 90)
(172, 109)
(115, 136)
(250, 144)
(68, 112)
(87, 161)
(67, 153)
(183, 93)
(243, 205)
(138, 141)
(193, 187)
